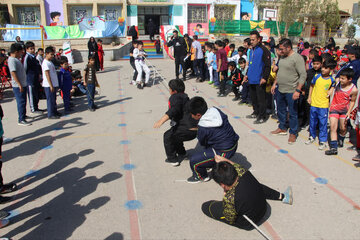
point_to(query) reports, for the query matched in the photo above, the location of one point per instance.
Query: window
(224, 12)
(28, 15)
(197, 14)
(110, 13)
(79, 12)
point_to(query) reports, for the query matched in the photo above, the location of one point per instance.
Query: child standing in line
(214, 66)
(183, 126)
(232, 51)
(65, 83)
(245, 96)
(40, 56)
(90, 82)
(340, 109)
(101, 54)
(32, 68)
(215, 133)
(236, 78)
(18, 81)
(158, 45)
(50, 83)
(209, 61)
(139, 55)
(319, 101)
(221, 62)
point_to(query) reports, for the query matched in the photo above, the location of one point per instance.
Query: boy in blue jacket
(65, 82)
(215, 133)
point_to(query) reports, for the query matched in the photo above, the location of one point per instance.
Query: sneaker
(183, 156)
(175, 164)
(37, 112)
(251, 116)
(260, 121)
(54, 117)
(206, 179)
(242, 102)
(221, 95)
(279, 132)
(7, 140)
(288, 196)
(4, 222)
(139, 86)
(274, 116)
(322, 146)
(332, 151)
(92, 109)
(340, 143)
(352, 148)
(292, 139)
(58, 114)
(24, 123)
(236, 99)
(193, 179)
(210, 82)
(356, 158)
(310, 140)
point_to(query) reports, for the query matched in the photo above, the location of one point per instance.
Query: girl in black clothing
(93, 51)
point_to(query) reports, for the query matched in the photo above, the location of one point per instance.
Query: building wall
(346, 5)
(53, 6)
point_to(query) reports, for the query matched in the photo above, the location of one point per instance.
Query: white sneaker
(322, 146)
(206, 179)
(310, 140)
(24, 123)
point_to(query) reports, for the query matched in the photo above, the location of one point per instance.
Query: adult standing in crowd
(133, 33)
(179, 52)
(187, 61)
(151, 27)
(290, 79)
(93, 51)
(199, 60)
(257, 75)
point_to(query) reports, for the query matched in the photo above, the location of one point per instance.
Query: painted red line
(271, 231)
(338, 192)
(130, 187)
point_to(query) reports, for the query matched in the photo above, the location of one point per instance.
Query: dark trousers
(258, 99)
(50, 102)
(199, 68)
(269, 103)
(174, 139)
(158, 49)
(1, 177)
(33, 95)
(136, 72)
(235, 89)
(91, 95)
(303, 110)
(245, 94)
(200, 161)
(66, 98)
(286, 103)
(152, 36)
(223, 79)
(215, 209)
(20, 102)
(179, 60)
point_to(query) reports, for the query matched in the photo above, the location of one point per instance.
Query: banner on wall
(166, 32)
(199, 29)
(93, 23)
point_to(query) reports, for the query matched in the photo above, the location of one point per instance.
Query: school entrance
(158, 14)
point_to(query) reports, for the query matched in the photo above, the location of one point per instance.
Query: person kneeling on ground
(215, 133)
(243, 195)
(183, 126)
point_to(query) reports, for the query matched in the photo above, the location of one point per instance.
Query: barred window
(111, 12)
(197, 14)
(224, 12)
(28, 15)
(79, 12)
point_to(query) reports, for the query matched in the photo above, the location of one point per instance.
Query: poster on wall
(198, 29)
(247, 10)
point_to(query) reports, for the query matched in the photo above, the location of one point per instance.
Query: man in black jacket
(179, 52)
(151, 27)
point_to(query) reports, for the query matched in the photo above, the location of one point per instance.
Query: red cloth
(101, 56)
(53, 24)
(227, 49)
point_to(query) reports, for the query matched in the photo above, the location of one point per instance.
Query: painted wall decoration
(199, 29)
(247, 10)
(53, 6)
(55, 18)
(92, 23)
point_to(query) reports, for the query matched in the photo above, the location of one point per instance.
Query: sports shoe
(251, 116)
(310, 140)
(92, 109)
(221, 95)
(210, 82)
(236, 99)
(242, 102)
(183, 156)
(260, 121)
(7, 140)
(175, 164)
(356, 158)
(24, 123)
(292, 139)
(206, 179)
(332, 151)
(340, 143)
(54, 117)
(322, 146)
(193, 179)
(37, 112)
(352, 148)
(139, 86)
(279, 132)
(288, 196)
(4, 222)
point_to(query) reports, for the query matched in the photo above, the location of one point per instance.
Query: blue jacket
(65, 79)
(215, 131)
(32, 68)
(259, 64)
(354, 65)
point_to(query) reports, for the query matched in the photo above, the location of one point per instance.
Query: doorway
(155, 19)
(158, 14)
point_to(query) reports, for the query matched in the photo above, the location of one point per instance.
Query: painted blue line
(321, 180)
(133, 205)
(237, 117)
(120, 113)
(47, 147)
(162, 93)
(122, 125)
(124, 142)
(31, 173)
(128, 167)
(57, 128)
(13, 213)
(283, 151)
(121, 95)
(255, 131)
(222, 106)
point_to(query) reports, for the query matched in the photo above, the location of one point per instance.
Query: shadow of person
(241, 159)
(115, 236)
(32, 146)
(53, 184)
(62, 215)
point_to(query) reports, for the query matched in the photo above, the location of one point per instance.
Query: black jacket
(310, 75)
(179, 111)
(179, 46)
(93, 48)
(151, 28)
(32, 68)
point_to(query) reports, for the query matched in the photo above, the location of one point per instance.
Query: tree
(350, 34)
(330, 16)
